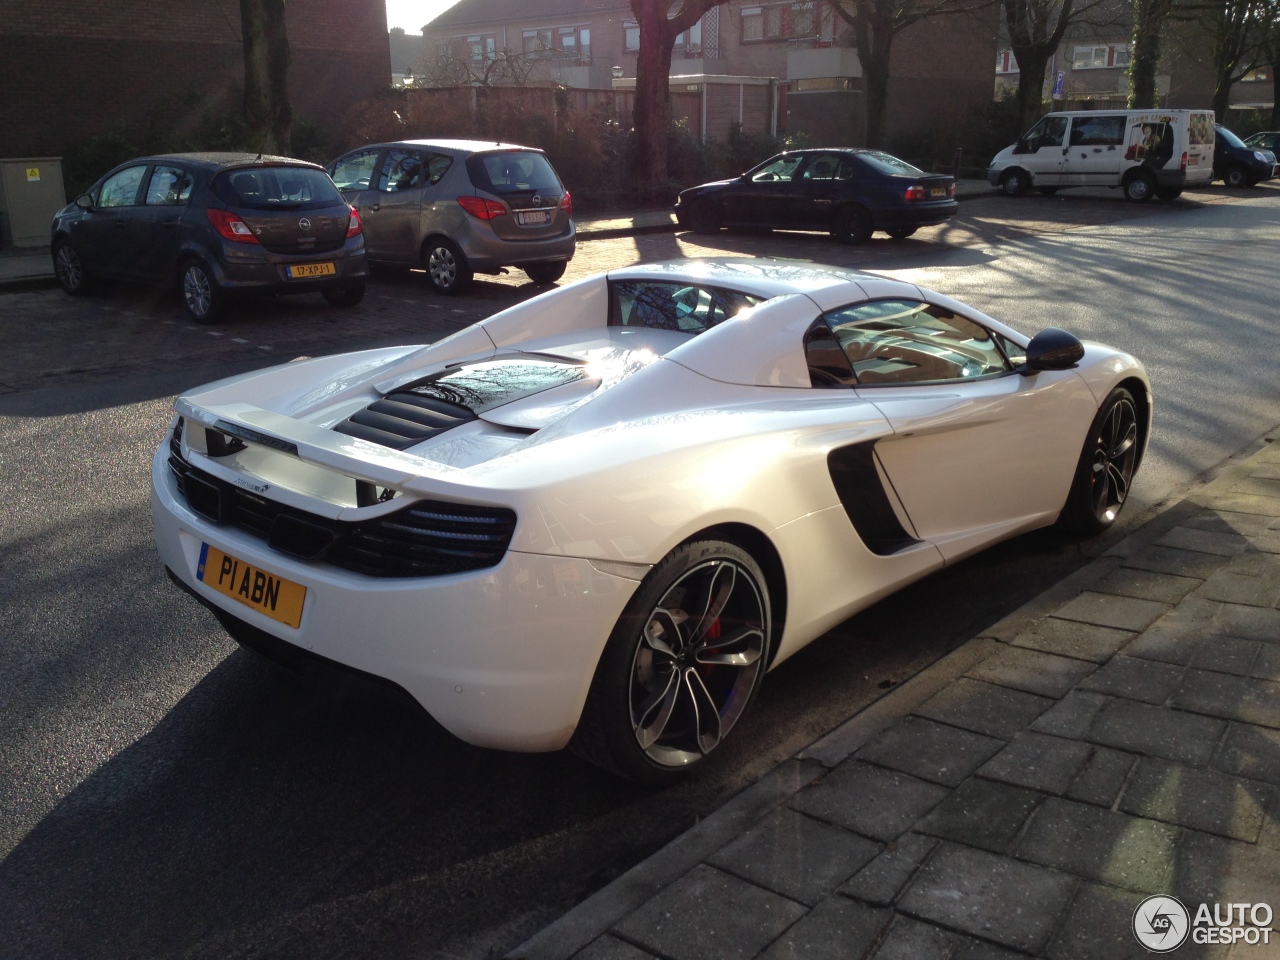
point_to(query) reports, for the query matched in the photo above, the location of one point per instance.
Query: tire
(1047, 191)
(447, 268)
(201, 295)
(901, 233)
(1015, 183)
(852, 224)
(703, 219)
(545, 274)
(1168, 193)
(1139, 188)
(345, 294)
(668, 670)
(1106, 468)
(69, 269)
(1237, 178)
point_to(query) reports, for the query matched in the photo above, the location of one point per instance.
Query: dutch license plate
(272, 596)
(530, 217)
(304, 271)
(938, 192)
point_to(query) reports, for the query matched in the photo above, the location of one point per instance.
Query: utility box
(31, 192)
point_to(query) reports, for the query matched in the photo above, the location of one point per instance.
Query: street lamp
(617, 72)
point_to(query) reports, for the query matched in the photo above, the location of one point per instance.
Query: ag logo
(1161, 924)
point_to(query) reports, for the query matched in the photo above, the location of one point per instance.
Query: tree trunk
(1149, 17)
(1033, 64)
(1275, 88)
(266, 74)
(651, 111)
(873, 32)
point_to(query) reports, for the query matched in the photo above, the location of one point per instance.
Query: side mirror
(84, 202)
(1052, 349)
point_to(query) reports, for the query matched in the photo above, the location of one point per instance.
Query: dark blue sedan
(851, 193)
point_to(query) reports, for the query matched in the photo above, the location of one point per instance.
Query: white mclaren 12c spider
(598, 518)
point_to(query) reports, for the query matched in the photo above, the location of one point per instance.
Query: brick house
(73, 69)
(773, 67)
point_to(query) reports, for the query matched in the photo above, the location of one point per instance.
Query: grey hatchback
(214, 224)
(460, 207)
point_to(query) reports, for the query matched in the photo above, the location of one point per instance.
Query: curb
(596, 915)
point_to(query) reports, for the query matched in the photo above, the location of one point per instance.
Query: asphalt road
(163, 794)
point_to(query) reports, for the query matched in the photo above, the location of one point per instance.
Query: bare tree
(660, 22)
(874, 24)
(504, 68)
(1236, 30)
(1036, 29)
(266, 74)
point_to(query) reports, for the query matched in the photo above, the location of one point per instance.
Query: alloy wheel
(1115, 456)
(66, 264)
(197, 291)
(695, 667)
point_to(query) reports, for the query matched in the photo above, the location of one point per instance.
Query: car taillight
(1184, 160)
(355, 226)
(482, 209)
(566, 203)
(230, 227)
(916, 192)
(952, 191)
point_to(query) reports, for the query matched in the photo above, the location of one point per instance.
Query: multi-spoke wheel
(69, 269)
(681, 666)
(1107, 465)
(447, 268)
(201, 294)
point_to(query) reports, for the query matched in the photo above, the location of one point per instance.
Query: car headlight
(1259, 155)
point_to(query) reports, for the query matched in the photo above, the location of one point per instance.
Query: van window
(1097, 131)
(1049, 132)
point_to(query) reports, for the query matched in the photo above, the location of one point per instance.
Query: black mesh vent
(399, 420)
(177, 465)
(425, 539)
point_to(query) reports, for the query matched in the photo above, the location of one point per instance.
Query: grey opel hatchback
(460, 207)
(214, 224)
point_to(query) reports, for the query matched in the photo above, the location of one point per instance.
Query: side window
(437, 166)
(121, 189)
(824, 166)
(1097, 131)
(1015, 354)
(169, 186)
(355, 170)
(664, 305)
(781, 168)
(401, 170)
(906, 341)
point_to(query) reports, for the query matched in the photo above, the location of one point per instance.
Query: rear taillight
(916, 192)
(1184, 161)
(230, 227)
(951, 192)
(354, 225)
(482, 209)
(566, 203)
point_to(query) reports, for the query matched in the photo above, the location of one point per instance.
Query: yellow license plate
(272, 596)
(303, 271)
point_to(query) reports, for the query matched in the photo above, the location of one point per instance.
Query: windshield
(1230, 137)
(887, 163)
(276, 188)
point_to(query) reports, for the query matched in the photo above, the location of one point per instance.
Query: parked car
(1267, 140)
(1146, 153)
(1238, 165)
(851, 193)
(460, 207)
(598, 517)
(214, 225)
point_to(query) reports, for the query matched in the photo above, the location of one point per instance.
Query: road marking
(239, 340)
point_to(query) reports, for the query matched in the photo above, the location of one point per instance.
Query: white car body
(666, 436)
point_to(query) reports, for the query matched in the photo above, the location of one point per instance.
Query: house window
(1006, 62)
(477, 48)
(785, 21)
(538, 43)
(1099, 56)
(1260, 74)
(631, 37)
(688, 43)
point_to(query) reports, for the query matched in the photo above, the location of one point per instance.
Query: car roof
(212, 160)
(456, 146)
(752, 275)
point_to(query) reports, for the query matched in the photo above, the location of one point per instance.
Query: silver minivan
(460, 207)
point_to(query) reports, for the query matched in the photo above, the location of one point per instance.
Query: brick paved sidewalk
(1116, 738)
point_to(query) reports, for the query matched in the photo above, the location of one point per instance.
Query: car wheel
(70, 270)
(1236, 178)
(344, 294)
(1014, 183)
(1107, 464)
(901, 233)
(852, 224)
(201, 294)
(682, 664)
(546, 273)
(1168, 193)
(446, 265)
(1139, 188)
(1047, 191)
(703, 218)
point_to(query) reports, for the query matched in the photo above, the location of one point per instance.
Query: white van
(1145, 152)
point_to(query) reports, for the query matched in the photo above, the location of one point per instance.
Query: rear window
(887, 163)
(276, 188)
(515, 171)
